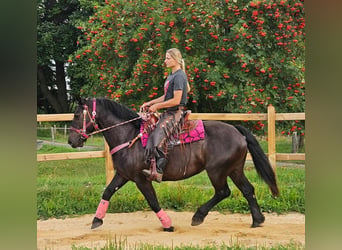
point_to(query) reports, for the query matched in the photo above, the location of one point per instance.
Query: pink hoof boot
(165, 221)
(102, 209)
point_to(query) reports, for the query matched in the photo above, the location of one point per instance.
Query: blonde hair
(177, 56)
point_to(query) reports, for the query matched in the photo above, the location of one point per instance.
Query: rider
(174, 99)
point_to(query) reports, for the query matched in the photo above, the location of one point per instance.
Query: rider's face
(169, 61)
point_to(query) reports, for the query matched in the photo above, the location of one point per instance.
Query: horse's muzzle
(76, 143)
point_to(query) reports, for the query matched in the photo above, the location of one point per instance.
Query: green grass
(283, 145)
(119, 244)
(74, 187)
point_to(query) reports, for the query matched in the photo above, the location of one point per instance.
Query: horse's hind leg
(240, 180)
(117, 182)
(221, 191)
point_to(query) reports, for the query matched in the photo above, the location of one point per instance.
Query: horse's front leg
(117, 182)
(149, 193)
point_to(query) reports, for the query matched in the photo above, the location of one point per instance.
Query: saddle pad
(195, 134)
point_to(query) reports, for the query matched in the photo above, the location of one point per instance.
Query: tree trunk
(43, 84)
(57, 100)
(61, 86)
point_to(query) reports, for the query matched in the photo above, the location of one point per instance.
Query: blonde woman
(174, 99)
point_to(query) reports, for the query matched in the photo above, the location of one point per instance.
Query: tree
(56, 40)
(241, 56)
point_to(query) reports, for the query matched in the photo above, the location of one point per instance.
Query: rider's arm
(177, 96)
(156, 100)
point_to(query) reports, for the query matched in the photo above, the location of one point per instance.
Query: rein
(116, 125)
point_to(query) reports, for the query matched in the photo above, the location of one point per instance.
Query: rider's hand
(153, 108)
(145, 107)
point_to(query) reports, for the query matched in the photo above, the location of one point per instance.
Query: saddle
(151, 119)
(190, 130)
(188, 125)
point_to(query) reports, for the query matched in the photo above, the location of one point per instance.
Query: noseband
(85, 124)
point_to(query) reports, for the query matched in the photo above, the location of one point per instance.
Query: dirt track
(144, 227)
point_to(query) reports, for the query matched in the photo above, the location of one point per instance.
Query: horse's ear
(81, 101)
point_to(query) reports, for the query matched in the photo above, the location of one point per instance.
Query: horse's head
(83, 123)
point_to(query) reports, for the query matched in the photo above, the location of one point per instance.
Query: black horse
(222, 153)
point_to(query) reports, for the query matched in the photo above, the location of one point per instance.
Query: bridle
(92, 121)
(86, 113)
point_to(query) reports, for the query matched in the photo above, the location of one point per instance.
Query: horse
(222, 154)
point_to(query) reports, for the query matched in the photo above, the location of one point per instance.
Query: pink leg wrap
(164, 219)
(102, 209)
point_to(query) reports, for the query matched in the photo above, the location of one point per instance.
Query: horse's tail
(261, 162)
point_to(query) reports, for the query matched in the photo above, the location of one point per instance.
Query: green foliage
(241, 56)
(56, 40)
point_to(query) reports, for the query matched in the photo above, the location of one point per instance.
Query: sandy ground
(144, 227)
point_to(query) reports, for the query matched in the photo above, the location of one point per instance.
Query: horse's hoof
(170, 229)
(198, 218)
(96, 223)
(255, 224)
(196, 221)
(258, 222)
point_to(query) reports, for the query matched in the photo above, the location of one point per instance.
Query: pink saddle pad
(196, 134)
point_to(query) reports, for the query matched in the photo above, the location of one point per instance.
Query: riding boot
(160, 166)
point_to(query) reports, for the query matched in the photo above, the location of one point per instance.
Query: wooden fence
(271, 117)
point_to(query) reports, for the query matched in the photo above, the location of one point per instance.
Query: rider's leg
(161, 163)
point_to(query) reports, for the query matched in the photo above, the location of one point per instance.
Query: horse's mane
(120, 111)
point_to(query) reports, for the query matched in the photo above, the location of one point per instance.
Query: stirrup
(158, 177)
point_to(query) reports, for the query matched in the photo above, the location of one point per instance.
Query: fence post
(65, 130)
(109, 164)
(295, 142)
(52, 135)
(271, 136)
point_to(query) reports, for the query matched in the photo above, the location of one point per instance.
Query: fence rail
(271, 116)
